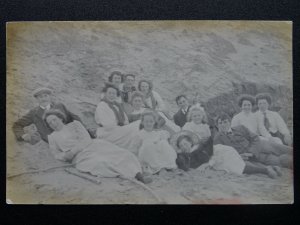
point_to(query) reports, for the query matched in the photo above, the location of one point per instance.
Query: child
(218, 157)
(154, 150)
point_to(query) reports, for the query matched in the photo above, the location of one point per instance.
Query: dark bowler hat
(41, 90)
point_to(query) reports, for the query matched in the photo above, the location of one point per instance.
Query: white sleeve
(54, 149)
(281, 125)
(105, 116)
(235, 121)
(160, 103)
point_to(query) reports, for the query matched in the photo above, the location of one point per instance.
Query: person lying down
(218, 157)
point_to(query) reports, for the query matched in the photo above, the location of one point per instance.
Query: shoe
(271, 172)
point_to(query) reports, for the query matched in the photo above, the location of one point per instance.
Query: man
(180, 118)
(273, 122)
(35, 116)
(128, 87)
(245, 142)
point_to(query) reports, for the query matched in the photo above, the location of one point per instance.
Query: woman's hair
(55, 112)
(179, 97)
(118, 73)
(111, 85)
(182, 137)
(146, 81)
(265, 96)
(196, 109)
(149, 113)
(136, 94)
(247, 98)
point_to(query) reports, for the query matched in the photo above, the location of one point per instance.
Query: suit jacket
(241, 139)
(179, 118)
(35, 116)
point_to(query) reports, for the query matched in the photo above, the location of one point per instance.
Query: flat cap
(41, 90)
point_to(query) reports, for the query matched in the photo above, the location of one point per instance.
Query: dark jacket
(35, 116)
(180, 118)
(196, 158)
(241, 139)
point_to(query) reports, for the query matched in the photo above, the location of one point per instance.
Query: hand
(26, 137)
(203, 167)
(246, 156)
(288, 140)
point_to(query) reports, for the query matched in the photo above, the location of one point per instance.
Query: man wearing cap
(35, 116)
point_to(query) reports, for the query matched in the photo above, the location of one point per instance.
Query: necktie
(266, 121)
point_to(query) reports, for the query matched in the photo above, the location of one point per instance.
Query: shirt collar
(47, 107)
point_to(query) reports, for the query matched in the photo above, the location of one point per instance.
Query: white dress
(98, 157)
(227, 159)
(154, 151)
(123, 136)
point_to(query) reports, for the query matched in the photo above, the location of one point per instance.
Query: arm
(160, 103)
(235, 121)
(19, 125)
(70, 115)
(283, 129)
(82, 135)
(54, 149)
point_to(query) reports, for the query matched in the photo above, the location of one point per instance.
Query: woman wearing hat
(217, 157)
(34, 116)
(113, 121)
(71, 142)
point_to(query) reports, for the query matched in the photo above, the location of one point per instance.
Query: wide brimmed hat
(41, 90)
(174, 138)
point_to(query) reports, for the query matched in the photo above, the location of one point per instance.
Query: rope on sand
(88, 177)
(38, 171)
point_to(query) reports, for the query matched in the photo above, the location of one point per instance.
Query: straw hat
(174, 138)
(41, 90)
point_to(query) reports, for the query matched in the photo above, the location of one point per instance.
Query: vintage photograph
(149, 112)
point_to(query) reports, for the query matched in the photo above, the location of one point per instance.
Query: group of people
(137, 137)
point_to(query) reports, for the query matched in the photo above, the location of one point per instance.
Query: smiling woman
(72, 143)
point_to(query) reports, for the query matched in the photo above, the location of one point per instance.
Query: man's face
(44, 99)
(183, 103)
(129, 81)
(263, 104)
(223, 125)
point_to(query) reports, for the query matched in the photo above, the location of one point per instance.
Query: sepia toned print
(149, 112)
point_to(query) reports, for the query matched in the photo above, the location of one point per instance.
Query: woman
(218, 157)
(137, 100)
(154, 151)
(113, 121)
(72, 143)
(115, 78)
(249, 119)
(151, 98)
(197, 123)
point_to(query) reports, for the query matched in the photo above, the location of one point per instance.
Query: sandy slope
(75, 60)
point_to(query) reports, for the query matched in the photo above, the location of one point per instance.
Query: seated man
(273, 122)
(127, 88)
(35, 116)
(180, 118)
(245, 142)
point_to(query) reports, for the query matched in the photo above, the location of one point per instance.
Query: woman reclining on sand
(72, 143)
(218, 157)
